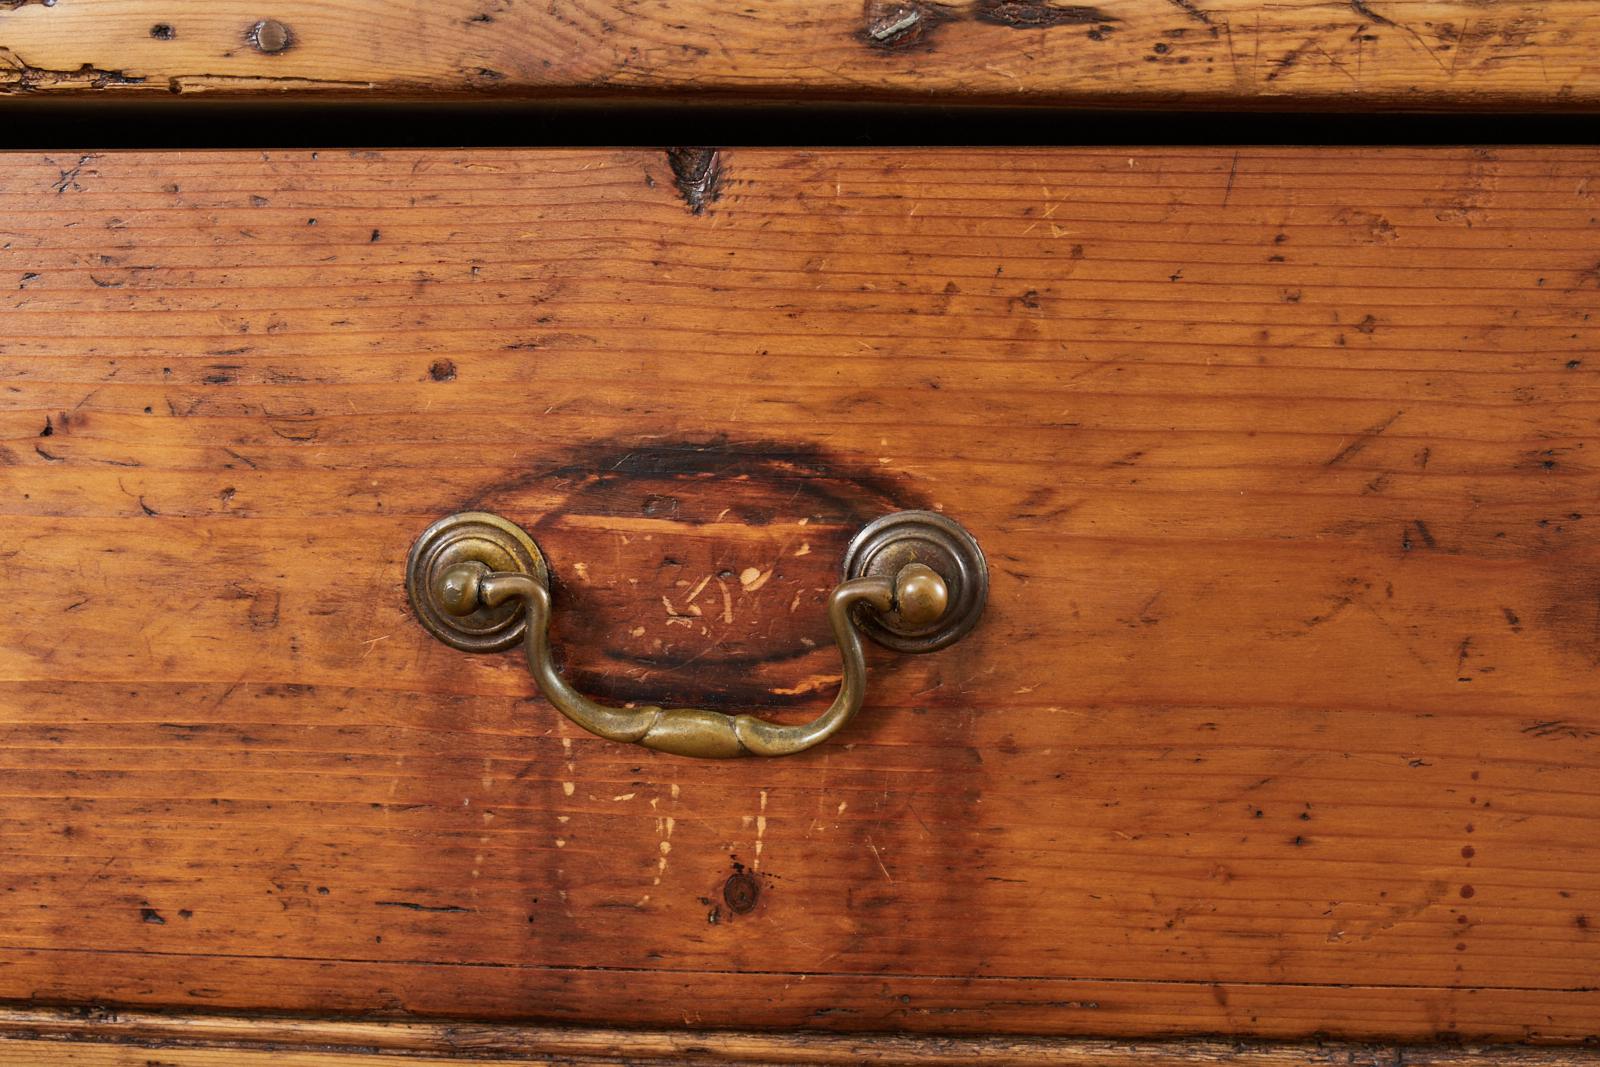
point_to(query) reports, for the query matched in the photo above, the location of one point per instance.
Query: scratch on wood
(1560, 730)
(878, 856)
(1188, 8)
(69, 180)
(1360, 7)
(1365, 438)
(409, 906)
(1290, 58)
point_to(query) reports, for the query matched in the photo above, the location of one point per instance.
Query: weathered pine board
(1283, 719)
(1340, 54)
(101, 1037)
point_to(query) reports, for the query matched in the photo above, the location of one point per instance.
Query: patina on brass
(887, 545)
(479, 583)
(441, 606)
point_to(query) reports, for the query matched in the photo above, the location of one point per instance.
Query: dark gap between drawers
(38, 123)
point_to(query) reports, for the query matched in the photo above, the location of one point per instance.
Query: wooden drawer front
(1282, 718)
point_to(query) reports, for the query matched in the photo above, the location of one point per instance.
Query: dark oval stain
(697, 571)
(740, 892)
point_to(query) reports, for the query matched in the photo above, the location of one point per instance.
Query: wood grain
(45, 1038)
(1282, 720)
(1348, 56)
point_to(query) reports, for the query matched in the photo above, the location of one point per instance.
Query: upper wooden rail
(1347, 55)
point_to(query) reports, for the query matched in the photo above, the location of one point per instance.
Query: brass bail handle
(913, 580)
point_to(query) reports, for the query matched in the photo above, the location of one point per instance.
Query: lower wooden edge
(41, 1035)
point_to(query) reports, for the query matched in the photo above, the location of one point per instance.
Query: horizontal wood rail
(48, 1037)
(1355, 56)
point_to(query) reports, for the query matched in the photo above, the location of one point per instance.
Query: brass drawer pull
(479, 583)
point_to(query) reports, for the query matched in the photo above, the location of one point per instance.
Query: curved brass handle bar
(916, 591)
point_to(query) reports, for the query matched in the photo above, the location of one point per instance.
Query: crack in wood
(17, 75)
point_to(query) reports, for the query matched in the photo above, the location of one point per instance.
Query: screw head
(270, 36)
(920, 595)
(458, 589)
(444, 578)
(917, 541)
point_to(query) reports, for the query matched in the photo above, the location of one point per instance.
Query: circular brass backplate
(480, 537)
(887, 544)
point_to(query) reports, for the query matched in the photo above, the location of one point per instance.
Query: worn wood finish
(44, 1038)
(1282, 720)
(1469, 54)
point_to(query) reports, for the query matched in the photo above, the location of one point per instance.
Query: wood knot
(888, 24)
(740, 892)
(697, 172)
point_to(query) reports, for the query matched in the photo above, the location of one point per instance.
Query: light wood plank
(1356, 55)
(45, 1037)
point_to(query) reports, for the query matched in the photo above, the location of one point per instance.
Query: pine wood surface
(44, 1038)
(1282, 719)
(1348, 55)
